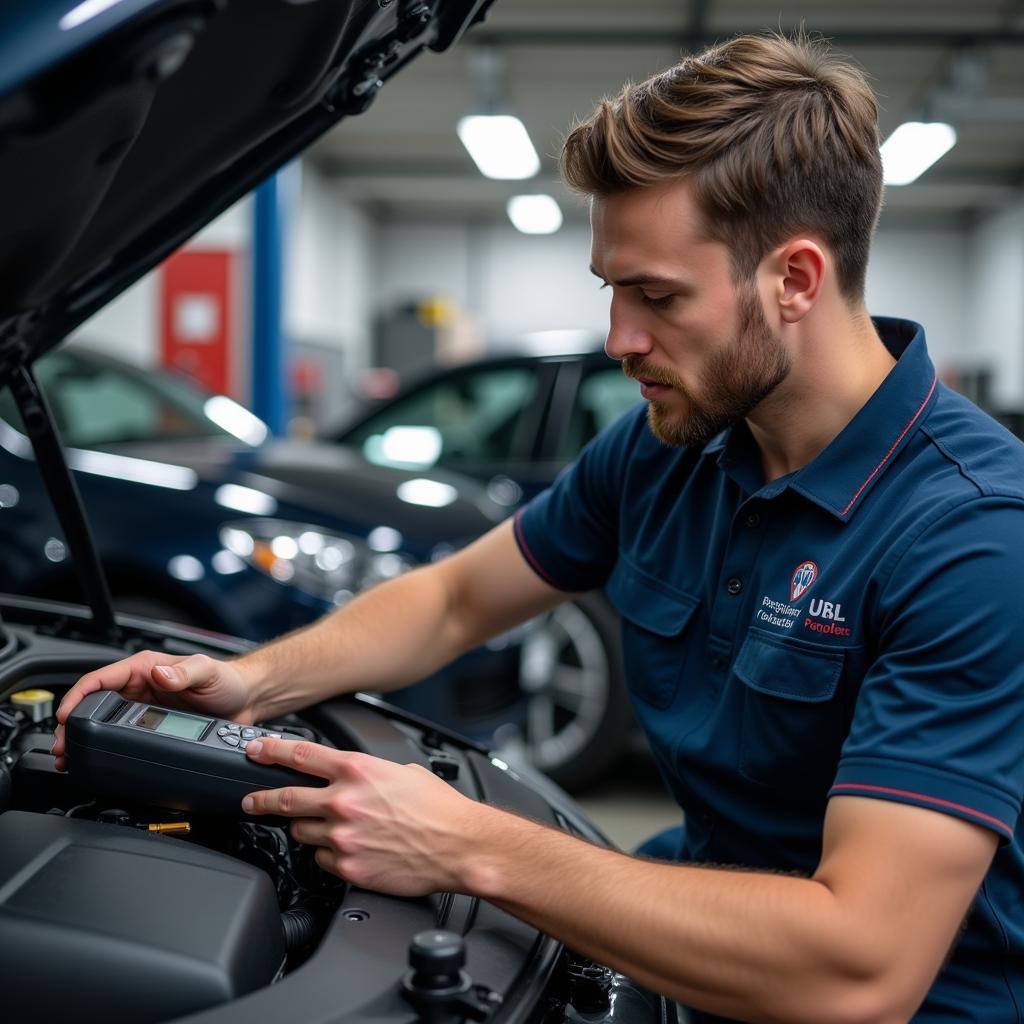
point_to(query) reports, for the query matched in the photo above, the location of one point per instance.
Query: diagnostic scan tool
(171, 758)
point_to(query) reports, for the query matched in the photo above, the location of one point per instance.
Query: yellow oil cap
(37, 704)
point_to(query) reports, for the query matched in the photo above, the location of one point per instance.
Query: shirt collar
(840, 477)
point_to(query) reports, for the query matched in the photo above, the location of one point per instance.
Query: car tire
(577, 716)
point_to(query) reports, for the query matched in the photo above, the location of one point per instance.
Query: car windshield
(98, 401)
(473, 416)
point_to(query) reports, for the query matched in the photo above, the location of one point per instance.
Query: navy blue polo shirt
(854, 627)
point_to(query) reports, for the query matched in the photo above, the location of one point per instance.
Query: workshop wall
(344, 269)
(520, 283)
(994, 321)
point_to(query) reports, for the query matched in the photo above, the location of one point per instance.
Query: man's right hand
(196, 682)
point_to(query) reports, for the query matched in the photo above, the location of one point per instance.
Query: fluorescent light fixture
(499, 145)
(913, 148)
(534, 215)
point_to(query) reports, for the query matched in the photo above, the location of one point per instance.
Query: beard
(734, 382)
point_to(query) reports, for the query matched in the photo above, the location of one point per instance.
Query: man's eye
(659, 302)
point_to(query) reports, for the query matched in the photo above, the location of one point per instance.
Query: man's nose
(626, 336)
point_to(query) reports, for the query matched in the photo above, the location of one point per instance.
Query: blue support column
(269, 367)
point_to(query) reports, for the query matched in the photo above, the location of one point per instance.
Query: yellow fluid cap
(29, 698)
(37, 704)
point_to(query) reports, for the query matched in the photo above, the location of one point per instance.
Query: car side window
(94, 403)
(471, 417)
(602, 397)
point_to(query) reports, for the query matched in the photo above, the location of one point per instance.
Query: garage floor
(632, 804)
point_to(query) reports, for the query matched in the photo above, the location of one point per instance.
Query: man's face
(700, 345)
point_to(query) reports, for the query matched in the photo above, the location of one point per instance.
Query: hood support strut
(63, 491)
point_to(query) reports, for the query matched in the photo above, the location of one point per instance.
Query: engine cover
(187, 928)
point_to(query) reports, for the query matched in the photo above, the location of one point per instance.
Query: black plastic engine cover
(187, 928)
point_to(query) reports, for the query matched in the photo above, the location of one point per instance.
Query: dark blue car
(513, 422)
(200, 517)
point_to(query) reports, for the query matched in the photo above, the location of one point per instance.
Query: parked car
(513, 422)
(276, 534)
(125, 127)
(200, 517)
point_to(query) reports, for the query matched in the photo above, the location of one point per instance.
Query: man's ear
(798, 269)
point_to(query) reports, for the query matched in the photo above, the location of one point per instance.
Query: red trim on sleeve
(995, 822)
(895, 445)
(528, 554)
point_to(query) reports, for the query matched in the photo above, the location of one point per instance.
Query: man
(817, 551)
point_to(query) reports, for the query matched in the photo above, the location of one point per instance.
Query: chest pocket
(793, 719)
(654, 619)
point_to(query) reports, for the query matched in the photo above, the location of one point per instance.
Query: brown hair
(777, 136)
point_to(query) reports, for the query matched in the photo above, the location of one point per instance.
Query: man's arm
(860, 941)
(394, 634)
(402, 630)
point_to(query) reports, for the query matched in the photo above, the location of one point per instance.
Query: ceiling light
(535, 215)
(499, 145)
(913, 148)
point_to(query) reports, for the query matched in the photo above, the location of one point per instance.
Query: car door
(589, 395)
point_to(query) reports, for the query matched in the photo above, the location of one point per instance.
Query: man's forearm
(759, 947)
(387, 637)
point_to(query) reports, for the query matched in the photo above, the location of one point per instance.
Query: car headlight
(332, 566)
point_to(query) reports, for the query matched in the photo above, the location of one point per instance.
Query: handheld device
(179, 759)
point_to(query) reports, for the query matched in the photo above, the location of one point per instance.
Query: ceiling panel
(558, 57)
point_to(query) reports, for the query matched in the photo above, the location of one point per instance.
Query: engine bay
(122, 910)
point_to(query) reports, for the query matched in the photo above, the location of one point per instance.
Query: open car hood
(127, 125)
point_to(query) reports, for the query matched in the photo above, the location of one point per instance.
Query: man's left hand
(394, 828)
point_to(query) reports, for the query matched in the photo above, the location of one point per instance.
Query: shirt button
(735, 585)
(718, 662)
(752, 520)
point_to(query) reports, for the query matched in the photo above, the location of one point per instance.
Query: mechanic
(817, 551)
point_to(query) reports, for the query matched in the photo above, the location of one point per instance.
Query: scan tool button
(234, 728)
(231, 741)
(222, 731)
(273, 735)
(243, 744)
(249, 734)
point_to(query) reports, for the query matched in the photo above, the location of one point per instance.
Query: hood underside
(122, 134)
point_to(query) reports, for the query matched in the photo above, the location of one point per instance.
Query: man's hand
(195, 682)
(393, 828)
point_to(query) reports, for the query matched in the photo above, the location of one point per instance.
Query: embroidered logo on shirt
(803, 576)
(833, 613)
